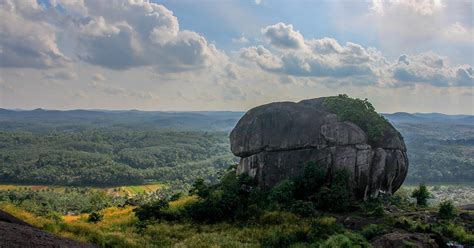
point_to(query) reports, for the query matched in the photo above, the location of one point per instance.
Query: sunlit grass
(130, 190)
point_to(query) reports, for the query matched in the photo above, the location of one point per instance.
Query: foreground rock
(17, 233)
(276, 140)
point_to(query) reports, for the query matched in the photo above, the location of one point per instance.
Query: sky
(184, 55)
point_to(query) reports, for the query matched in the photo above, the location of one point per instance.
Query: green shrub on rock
(360, 112)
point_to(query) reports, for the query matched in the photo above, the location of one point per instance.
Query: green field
(130, 190)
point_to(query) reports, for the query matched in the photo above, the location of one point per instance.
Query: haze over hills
(41, 119)
(429, 117)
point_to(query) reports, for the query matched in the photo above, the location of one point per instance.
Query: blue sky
(404, 55)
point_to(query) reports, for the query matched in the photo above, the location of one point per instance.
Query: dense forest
(131, 147)
(111, 158)
(439, 151)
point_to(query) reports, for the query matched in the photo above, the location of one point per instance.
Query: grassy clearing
(129, 190)
(459, 194)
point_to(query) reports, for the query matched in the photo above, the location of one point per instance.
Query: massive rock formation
(276, 140)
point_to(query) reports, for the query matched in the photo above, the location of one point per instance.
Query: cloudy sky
(403, 55)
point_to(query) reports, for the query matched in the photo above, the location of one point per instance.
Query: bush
(346, 240)
(372, 231)
(458, 233)
(158, 210)
(421, 195)
(283, 193)
(373, 207)
(446, 210)
(324, 227)
(277, 217)
(284, 237)
(311, 181)
(401, 198)
(95, 217)
(233, 198)
(335, 197)
(303, 208)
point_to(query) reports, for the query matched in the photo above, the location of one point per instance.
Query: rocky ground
(16, 233)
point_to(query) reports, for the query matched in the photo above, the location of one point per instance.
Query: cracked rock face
(275, 141)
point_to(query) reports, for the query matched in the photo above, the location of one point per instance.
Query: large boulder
(276, 140)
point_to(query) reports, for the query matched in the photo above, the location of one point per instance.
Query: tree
(421, 195)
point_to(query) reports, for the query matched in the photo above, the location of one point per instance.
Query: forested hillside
(111, 158)
(83, 147)
(439, 151)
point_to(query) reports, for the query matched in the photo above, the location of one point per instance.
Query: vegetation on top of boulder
(361, 112)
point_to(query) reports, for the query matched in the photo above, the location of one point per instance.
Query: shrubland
(235, 212)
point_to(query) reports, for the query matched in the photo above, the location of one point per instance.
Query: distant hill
(429, 117)
(40, 120)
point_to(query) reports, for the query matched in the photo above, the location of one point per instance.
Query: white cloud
(124, 34)
(26, 40)
(350, 63)
(115, 34)
(414, 25)
(311, 58)
(283, 36)
(430, 68)
(421, 7)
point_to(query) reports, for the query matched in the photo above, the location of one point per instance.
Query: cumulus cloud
(122, 34)
(358, 65)
(115, 34)
(26, 39)
(283, 36)
(325, 57)
(430, 68)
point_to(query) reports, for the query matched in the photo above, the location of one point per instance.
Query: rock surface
(17, 233)
(276, 140)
